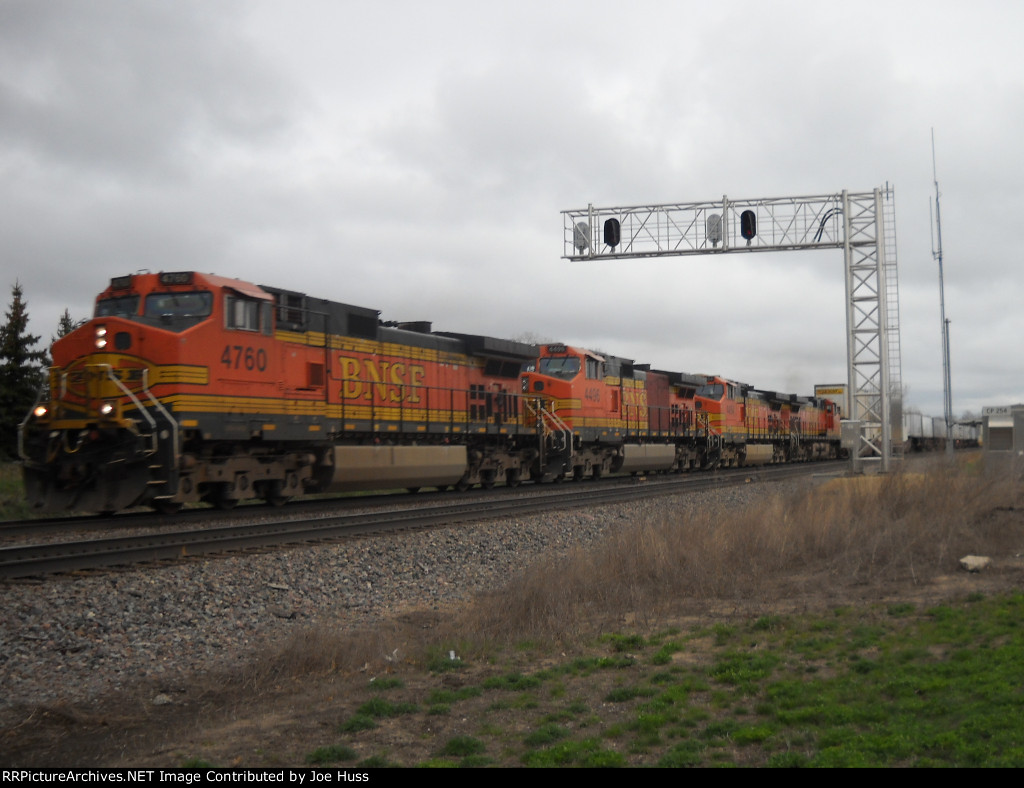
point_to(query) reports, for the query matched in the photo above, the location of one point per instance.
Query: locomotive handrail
(154, 438)
(167, 416)
(546, 418)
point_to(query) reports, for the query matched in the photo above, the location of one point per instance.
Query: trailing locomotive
(188, 387)
(606, 414)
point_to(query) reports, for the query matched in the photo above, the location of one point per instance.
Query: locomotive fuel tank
(758, 454)
(637, 458)
(388, 467)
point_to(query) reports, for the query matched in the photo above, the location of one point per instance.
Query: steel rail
(43, 559)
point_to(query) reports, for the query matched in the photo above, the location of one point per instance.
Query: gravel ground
(73, 638)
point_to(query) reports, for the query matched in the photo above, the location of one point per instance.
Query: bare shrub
(323, 650)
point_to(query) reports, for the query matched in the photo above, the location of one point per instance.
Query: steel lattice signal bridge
(862, 224)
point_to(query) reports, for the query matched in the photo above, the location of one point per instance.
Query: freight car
(924, 433)
(188, 387)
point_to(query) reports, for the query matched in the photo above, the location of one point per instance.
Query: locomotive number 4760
(244, 357)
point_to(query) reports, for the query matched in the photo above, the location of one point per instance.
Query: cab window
(711, 391)
(560, 367)
(177, 311)
(122, 306)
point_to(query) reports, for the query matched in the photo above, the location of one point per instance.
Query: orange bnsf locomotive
(188, 387)
(607, 414)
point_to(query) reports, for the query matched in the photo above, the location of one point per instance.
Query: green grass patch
(626, 642)
(883, 687)
(462, 746)
(513, 682)
(545, 735)
(386, 683)
(356, 723)
(441, 661)
(664, 654)
(587, 754)
(623, 694)
(449, 696)
(382, 707)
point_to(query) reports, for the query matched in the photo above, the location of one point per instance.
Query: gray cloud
(414, 158)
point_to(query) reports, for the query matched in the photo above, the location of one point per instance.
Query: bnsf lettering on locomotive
(390, 381)
(124, 374)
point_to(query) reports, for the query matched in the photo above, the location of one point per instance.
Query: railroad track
(288, 529)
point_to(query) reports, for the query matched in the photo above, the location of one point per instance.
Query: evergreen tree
(66, 325)
(21, 371)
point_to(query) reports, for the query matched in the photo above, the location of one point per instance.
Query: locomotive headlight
(101, 337)
(107, 409)
(39, 411)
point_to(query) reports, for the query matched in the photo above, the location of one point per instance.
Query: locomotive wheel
(463, 484)
(512, 478)
(220, 499)
(272, 493)
(166, 507)
(487, 480)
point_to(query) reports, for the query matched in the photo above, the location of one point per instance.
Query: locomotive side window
(242, 313)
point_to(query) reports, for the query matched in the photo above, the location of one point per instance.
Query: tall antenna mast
(937, 254)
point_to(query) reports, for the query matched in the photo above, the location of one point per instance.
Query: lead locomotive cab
(187, 387)
(131, 391)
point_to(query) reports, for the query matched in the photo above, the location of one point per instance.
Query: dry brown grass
(867, 530)
(872, 530)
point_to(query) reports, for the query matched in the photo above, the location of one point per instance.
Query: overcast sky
(415, 157)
